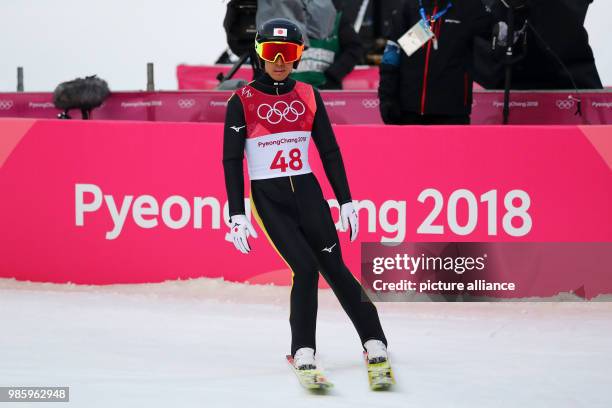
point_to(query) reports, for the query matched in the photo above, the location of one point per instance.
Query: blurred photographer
(426, 71)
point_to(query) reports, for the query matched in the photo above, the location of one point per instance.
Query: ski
(310, 379)
(380, 375)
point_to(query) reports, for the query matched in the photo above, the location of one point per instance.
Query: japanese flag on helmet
(280, 32)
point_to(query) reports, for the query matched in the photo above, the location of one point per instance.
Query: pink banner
(344, 107)
(199, 77)
(102, 202)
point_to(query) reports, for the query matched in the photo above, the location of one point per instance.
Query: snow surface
(210, 343)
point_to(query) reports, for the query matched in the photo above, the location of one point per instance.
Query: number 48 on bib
(280, 160)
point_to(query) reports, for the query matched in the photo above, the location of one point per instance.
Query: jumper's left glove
(348, 217)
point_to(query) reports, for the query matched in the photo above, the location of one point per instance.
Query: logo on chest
(281, 110)
(246, 92)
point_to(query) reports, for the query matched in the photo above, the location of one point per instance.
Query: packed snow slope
(210, 343)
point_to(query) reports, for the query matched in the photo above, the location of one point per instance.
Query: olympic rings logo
(565, 104)
(370, 103)
(186, 103)
(6, 105)
(291, 112)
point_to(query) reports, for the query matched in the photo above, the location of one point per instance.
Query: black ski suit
(297, 220)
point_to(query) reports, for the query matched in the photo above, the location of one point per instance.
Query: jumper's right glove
(240, 229)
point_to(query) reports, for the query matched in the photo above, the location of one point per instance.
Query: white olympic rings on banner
(281, 110)
(370, 103)
(565, 104)
(186, 103)
(6, 105)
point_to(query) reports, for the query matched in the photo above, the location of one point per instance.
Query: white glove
(240, 229)
(348, 217)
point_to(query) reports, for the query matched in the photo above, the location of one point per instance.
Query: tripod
(510, 59)
(234, 69)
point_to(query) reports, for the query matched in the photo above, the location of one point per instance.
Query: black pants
(413, 118)
(298, 222)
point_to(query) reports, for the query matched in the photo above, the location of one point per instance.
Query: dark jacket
(350, 54)
(437, 82)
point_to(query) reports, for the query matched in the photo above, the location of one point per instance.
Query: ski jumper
(274, 123)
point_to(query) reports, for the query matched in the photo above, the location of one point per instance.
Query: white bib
(278, 155)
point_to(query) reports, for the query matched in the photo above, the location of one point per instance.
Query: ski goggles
(269, 51)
